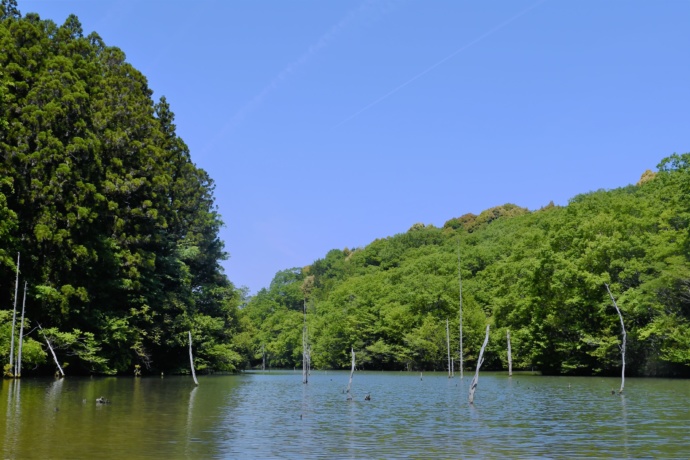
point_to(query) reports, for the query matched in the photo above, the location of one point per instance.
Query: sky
(329, 124)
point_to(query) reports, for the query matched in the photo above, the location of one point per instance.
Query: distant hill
(539, 274)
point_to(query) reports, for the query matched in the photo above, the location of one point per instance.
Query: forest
(115, 226)
(541, 275)
(114, 234)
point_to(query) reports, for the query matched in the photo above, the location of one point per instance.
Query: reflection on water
(624, 423)
(272, 414)
(190, 419)
(13, 413)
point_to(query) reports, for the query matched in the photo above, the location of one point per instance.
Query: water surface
(274, 415)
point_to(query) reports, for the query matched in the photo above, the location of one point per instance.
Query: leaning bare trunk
(191, 359)
(18, 371)
(475, 380)
(624, 338)
(52, 351)
(14, 316)
(510, 357)
(349, 385)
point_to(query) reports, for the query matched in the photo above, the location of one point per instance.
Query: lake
(273, 415)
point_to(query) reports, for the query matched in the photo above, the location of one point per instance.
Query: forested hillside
(116, 226)
(539, 274)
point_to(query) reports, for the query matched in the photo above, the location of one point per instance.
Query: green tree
(118, 227)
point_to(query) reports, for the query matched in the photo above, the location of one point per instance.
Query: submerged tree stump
(62, 373)
(14, 317)
(349, 385)
(510, 356)
(450, 368)
(18, 366)
(191, 359)
(475, 380)
(625, 335)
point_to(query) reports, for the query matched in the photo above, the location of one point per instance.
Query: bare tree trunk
(475, 380)
(52, 351)
(306, 288)
(462, 363)
(308, 351)
(263, 357)
(349, 385)
(14, 316)
(510, 357)
(448, 342)
(625, 335)
(305, 358)
(308, 355)
(191, 359)
(18, 371)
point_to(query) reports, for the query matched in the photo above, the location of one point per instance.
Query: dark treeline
(116, 226)
(539, 274)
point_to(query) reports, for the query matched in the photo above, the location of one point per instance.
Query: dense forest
(541, 275)
(115, 232)
(115, 227)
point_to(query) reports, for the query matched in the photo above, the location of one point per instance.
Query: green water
(274, 415)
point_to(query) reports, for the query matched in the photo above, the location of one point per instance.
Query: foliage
(32, 351)
(540, 274)
(117, 227)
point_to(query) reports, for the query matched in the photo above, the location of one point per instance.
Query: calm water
(272, 414)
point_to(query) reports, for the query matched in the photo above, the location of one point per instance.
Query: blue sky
(328, 124)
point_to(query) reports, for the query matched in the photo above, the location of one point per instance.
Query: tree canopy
(539, 274)
(116, 226)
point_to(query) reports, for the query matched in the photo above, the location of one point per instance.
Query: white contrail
(450, 56)
(363, 10)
